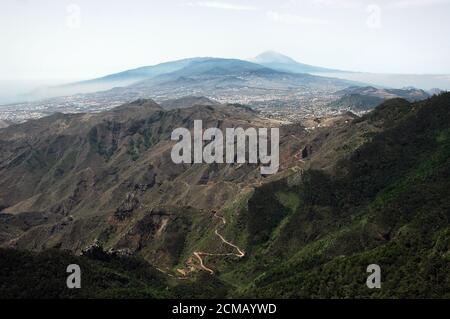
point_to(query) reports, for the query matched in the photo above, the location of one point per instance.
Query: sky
(80, 39)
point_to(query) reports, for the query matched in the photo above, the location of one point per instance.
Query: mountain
(109, 176)
(387, 203)
(284, 63)
(110, 81)
(226, 79)
(268, 62)
(194, 76)
(366, 98)
(146, 72)
(356, 102)
(398, 81)
(352, 192)
(187, 101)
(92, 174)
(221, 80)
(280, 62)
(190, 67)
(411, 94)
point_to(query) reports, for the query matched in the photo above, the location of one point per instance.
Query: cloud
(417, 3)
(294, 19)
(222, 5)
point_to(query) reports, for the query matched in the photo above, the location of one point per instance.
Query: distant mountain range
(284, 63)
(267, 62)
(119, 79)
(268, 65)
(224, 80)
(215, 72)
(271, 81)
(227, 79)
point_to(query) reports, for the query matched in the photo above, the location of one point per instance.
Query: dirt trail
(199, 254)
(241, 252)
(199, 257)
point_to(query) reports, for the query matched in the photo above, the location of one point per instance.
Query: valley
(211, 158)
(353, 191)
(361, 177)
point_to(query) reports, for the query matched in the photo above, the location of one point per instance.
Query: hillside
(186, 102)
(388, 204)
(359, 99)
(409, 94)
(43, 276)
(371, 189)
(81, 170)
(356, 102)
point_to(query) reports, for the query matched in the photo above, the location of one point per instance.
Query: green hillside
(357, 102)
(372, 190)
(389, 204)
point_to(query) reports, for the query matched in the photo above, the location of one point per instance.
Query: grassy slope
(391, 207)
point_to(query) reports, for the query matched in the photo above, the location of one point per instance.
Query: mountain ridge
(362, 99)
(361, 190)
(280, 62)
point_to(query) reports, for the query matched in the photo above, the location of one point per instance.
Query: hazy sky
(44, 39)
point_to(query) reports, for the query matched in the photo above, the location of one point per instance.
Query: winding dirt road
(199, 254)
